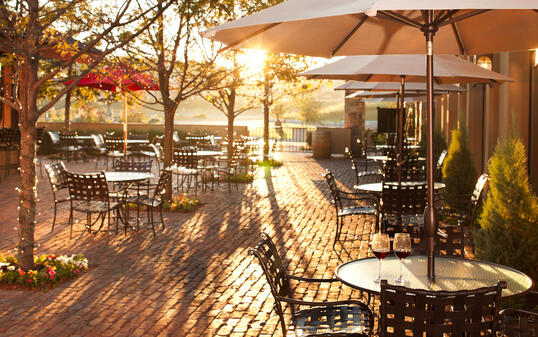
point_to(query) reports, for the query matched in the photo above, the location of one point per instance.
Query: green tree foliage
(459, 173)
(509, 222)
(439, 142)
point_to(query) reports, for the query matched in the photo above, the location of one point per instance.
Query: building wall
(493, 113)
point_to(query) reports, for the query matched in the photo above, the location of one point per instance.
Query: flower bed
(49, 271)
(182, 203)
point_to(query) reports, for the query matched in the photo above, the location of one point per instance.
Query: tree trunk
(231, 118)
(67, 109)
(28, 188)
(28, 196)
(169, 113)
(265, 130)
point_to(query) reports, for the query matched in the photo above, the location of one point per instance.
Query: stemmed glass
(381, 247)
(402, 248)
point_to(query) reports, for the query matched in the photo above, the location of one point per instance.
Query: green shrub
(439, 142)
(509, 223)
(459, 173)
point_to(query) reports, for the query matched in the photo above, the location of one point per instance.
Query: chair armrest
(310, 279)
(329, 303)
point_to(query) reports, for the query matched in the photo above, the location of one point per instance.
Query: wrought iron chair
(402, 209)
(439, 166)
(339, 196)
(521, 321)
(10, 142)
(409, 169)
(186, 168)
(89, 194)
(364, 168)
(153, 201)
(337, 318)
(467, 213)
(69, 145)
(417, 312)
(58, 182)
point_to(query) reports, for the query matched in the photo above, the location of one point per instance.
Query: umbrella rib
(349, 35)
(463, 16)
(249, 36)
(458, 38)
(448, 14)
(401, 18)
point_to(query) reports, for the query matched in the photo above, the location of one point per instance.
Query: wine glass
(381, 247)
(402, 248)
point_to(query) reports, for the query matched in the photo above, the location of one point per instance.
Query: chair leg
(53, 218)
(150, 209)
(161, 212)
(71, 223)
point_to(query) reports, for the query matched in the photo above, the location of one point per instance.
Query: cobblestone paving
(196, 277)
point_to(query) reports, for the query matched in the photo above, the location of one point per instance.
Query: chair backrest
(453, 244)
(519, 323)
(404, 199)
(441, 159)
(130, 165)
(68, 138)
(54, 137)
(114, 143)
(271, 263)
(57, 176)
(157, 149)
(186, 158)
(164, 178)
(91, 186)
(333, 187)
(412, 169)
(478, 193)
(417, 312)
(10, 137)
(99, 141)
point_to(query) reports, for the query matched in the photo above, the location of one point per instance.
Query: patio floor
(196, 277)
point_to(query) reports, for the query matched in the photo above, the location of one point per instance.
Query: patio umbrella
(354, 27)
(122, 80)
(410, 87)
(400, 68)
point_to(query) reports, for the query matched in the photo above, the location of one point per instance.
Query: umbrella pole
(124, 125)
(430, 215)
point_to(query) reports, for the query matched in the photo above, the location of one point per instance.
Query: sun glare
(253, 60)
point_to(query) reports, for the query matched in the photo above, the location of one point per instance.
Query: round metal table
(126, 176)
(386, 158)
(385, 147)
(378, 187)
(451, 274)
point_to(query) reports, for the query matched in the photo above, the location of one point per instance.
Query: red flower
(21, 272)
(29, 280)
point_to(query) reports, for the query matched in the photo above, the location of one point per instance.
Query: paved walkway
(196, 277)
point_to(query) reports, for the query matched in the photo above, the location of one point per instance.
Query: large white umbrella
(390, 68)
(354, 27)
(392, 86)
(401, 68)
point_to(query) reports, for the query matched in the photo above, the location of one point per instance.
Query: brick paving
(196, 277)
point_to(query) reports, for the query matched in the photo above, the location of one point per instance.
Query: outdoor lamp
(484, 62)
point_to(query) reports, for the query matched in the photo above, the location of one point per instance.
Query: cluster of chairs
(9, 144)
(402, 311)
(90, 194)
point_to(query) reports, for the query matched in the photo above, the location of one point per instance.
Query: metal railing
(290, 139)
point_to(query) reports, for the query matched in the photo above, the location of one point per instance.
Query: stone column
(355, 119)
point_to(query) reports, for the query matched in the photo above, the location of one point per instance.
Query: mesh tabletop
(120, 176)
(450, 274)
(378, 187)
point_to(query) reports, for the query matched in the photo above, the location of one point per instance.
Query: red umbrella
(118, 79)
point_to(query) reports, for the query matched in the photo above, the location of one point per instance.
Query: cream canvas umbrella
(354, 27)
(410, 87)
(400, 68)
